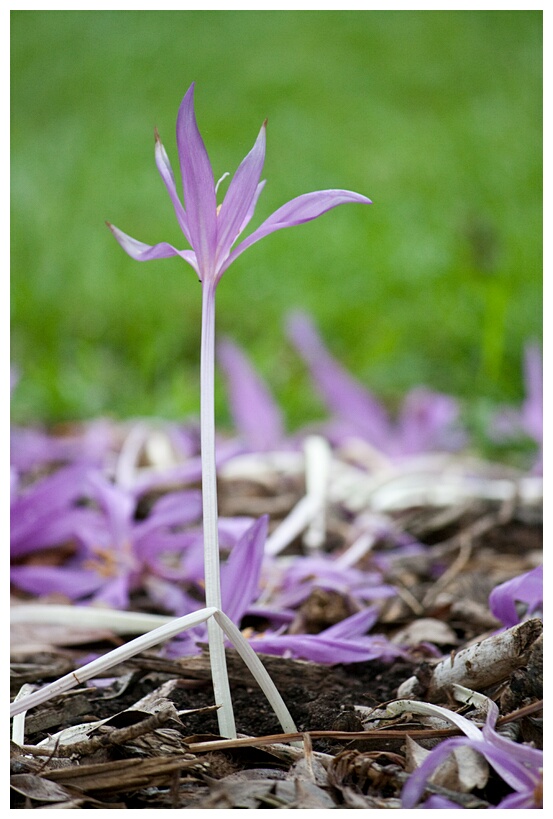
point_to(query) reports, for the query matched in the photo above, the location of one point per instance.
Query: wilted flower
(524, 591)
(511, 423)
(344, 642)
(257, 417)
(427, 420)
(305, 574)
(90, 444)
(520, 766)
(109, 552)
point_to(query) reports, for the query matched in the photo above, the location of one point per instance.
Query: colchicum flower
(511, 423)
(520, 766)
(519, 598)
(427, 420)
(257, 418)
(211, 232)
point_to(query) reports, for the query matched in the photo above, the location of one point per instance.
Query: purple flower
(520, 766)
(47, 513)
(346, 398)
(307, 573)
(532, 407)
(111, 550)
(256, 416)
(526, 589)
(239, 582)
(427, 420)
(211, 231)
(90, 445)
(511, 423)
(345, 642)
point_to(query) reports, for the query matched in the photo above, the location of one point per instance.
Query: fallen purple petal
(525, 590)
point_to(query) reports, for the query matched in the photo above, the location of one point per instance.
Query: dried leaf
(426, 629)
(310, 796)
(38, 788)
(462, 771)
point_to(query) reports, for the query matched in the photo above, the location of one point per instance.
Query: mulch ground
(148, 736)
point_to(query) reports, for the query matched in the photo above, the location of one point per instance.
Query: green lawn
(434, 115)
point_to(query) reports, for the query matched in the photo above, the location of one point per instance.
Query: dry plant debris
(146, 737)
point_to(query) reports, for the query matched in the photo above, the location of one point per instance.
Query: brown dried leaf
(38, 788)
(462, 771)
(121, 775)
(426, 629)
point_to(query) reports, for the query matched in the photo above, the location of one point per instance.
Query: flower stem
(209, 499)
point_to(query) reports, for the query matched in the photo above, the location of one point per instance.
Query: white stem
(393, 709)
(293, 524)
(258, 671)
(209, 498)
(18, 726)
(158, 635)
(120, 622)
(318, 462)
(118, 655)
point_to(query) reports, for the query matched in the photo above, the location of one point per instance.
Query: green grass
(434, 115)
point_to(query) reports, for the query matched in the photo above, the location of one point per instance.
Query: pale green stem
(209, 495)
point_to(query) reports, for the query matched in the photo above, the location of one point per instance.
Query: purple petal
(145, 253)
(199, 187)
(59, 526)
(344, 642)
(345, 396)
(528, 760)
(169, 597)
(426, 422)
(114, 592)
(45, 514)
(253, 205)
(166, 173)
(43, 580)
(231, 530)
(416, 784)
(175, 557)
(171, 510)
(256, 416)
(302, 209)
(436, 802)
(521, 801)
(118, 506)
(356, 625)
(320, 649)
(89, 445)
(526, 588)
(518, 765)
(532, 409)
(505, 763)
(242, 193)
(240, 574)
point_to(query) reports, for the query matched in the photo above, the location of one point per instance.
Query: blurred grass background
(436, 115)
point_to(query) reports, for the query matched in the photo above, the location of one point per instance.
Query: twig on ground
(477, 667)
